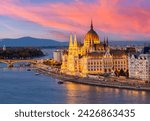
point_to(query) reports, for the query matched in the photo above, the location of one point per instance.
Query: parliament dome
(91, 37)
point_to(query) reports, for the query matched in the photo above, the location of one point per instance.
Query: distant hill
(36, 42)
(32, 42)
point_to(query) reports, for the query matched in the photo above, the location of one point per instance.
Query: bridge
(11, 62)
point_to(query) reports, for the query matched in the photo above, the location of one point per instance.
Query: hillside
(29, 41)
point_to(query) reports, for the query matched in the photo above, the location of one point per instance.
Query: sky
(57, 19)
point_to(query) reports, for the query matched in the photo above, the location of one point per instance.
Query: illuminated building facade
(139, 67)
(92, 57)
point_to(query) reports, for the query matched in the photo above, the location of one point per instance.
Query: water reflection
(78, 93)
(3, 65)
(17, 66)
(134, 92)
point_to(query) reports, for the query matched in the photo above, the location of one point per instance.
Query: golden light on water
(76, 91)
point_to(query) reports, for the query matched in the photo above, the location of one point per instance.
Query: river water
(19, 86)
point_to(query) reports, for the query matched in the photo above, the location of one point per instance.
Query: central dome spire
(91, 24)
(91, 37)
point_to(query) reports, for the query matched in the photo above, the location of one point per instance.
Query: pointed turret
(71, 41)
(107, 41)
(75, 41)
(71, 45)
(104, 43)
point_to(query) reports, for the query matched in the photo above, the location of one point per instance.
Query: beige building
(57, 55)
(92, 57)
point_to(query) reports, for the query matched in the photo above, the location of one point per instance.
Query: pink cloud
(58, 35)
(109, 16)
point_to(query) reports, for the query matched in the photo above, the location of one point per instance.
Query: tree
(117, 73)
(122, 73)
(127, 73)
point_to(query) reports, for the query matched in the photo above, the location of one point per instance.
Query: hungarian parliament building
(92, 56)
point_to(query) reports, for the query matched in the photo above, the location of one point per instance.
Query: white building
(139, 67)
(4, 48)
(57, 55)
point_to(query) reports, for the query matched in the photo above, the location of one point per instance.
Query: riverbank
(89, 81)
(12, 53)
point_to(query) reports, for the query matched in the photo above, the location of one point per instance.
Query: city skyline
(56, 19)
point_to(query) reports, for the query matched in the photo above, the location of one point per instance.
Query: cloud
(121, 17)
(58, 34)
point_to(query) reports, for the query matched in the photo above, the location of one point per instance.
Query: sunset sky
(56, 19)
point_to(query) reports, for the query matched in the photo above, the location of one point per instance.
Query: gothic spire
(104, 43)
(107, 41)
(75, 40)
(71, 41)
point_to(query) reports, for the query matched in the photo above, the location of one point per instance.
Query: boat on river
(37, 74)
(29, 69)
(60, 82)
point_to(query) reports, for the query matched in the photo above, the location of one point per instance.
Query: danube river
(19, 86)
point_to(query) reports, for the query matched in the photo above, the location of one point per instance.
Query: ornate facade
(139, 67)
(92, 57)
